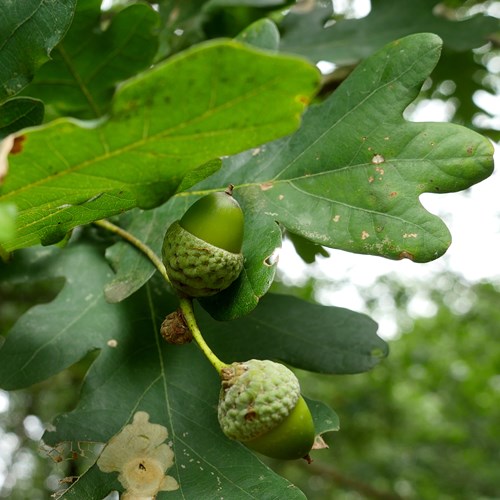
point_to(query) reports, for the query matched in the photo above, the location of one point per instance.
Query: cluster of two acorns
(260, 403)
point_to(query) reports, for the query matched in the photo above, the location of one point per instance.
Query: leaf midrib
(151, 138)
(396, 111)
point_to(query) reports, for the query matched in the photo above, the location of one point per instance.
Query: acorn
(202, 250)
(260, 405)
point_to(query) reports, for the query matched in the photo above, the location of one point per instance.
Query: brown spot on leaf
(68, 479)
(406, 255)
(266, 185)
(17, 146)
(470, 150)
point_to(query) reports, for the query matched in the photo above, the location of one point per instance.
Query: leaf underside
(348, 41)
(18, 113)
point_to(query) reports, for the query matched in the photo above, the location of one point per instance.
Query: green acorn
(202, 250)
(261, 406)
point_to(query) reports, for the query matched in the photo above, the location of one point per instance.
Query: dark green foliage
(144, 112)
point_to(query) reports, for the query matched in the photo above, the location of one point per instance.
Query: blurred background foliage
(422, 425)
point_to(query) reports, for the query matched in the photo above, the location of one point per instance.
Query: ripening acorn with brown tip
(202, 250)
(260, 405)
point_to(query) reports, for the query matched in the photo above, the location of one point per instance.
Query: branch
(353, 484)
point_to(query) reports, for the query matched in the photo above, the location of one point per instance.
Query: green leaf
(141, 154)
(325, 419)
(85, 68)
(8, 214)
(92, 484)
(136, 371)
(179, 389)
(63, 330)
(199, 173)
(30, 30)
(349, 41)
(19, 113)
(306, 249)
(308, 336)
(132, 268)
(262, 33)
(351, 176)
(305, 181)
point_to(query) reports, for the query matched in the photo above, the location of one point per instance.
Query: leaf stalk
(186, 304)
(147, 251)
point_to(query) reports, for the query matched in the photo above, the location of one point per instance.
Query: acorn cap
(256, 396)
(197, 268)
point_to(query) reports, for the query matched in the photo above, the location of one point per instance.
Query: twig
(155, 260)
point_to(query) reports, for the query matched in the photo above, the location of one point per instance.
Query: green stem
(156, 261)
(186, 306)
